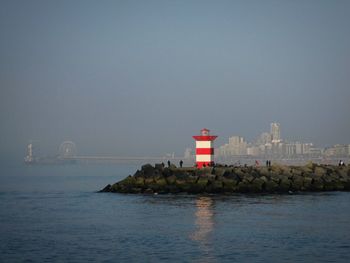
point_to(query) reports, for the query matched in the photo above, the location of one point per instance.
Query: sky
(135, 78)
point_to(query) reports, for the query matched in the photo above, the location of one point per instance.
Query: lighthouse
(204, 148)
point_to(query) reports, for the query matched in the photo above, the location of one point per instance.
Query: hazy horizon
(138, 78)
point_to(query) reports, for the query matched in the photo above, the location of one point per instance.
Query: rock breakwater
(226, 180)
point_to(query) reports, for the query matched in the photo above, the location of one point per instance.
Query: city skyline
(272, 144)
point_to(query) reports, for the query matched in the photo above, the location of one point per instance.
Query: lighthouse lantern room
(204, 148)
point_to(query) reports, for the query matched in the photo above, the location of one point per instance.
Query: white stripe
(204, 158)
(204, 144)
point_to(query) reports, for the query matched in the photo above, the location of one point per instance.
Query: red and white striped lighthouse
(204, 148)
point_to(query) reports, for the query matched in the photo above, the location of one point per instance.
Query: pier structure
(204, 148)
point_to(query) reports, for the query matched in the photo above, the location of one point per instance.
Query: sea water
(54, 214)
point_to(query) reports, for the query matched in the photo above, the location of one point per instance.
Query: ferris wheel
(67, 149)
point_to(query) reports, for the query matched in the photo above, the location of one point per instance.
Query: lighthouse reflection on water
(204, 223)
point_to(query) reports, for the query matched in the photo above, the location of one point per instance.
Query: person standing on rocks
(181, 163)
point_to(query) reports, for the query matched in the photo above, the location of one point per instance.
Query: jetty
(221, 179)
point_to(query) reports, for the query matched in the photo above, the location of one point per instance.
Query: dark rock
(148, 170)
(139, 181)
(232, 176)
(202, 182)
(230, 185)
(271, 186)
(135, 190)
(128, 181)
(320, 171)
(297, 183)
(278, 178)
(219, 171)
(257, 186)
(171, 179)
(185, 186)
(106, 189)
(214, 187)
(204, 171)
(139, 174)
(159, 166)
(161, 182)
(248, 178)
(284, 185)
(330, 183)
(149, 180)
(149, 191)
(243, 187)
(317, 184)
(172, 166)
(307, 183)
(167, 172)
(171, 188)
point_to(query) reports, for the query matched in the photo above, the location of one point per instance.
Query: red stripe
(204, 138)
(204, 150)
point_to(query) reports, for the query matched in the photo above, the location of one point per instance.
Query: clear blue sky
(142, 77)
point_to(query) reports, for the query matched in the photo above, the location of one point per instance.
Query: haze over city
(142, 77)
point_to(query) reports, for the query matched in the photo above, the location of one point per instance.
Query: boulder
(171, 179)
(161, 182)
(171, 188)
(307, 183)
(128, 181)
(284, 185)
(106, 189)
(257, 186)
(264, 178)
(202, 182)
(139, 181)
(148, 170)
(219, 171)
(232, 175)
(271, 186)
(248, 178)
(297, 183)
(148, 191)
(135, 190)
(149, 180)
(139, 174)
(320, 171)
(243, 187)
(332, 183)
(167, 172)
(317, 184)
(159, 166)
(204, 171)
(214, 187)
(230, 185)
(192, 179)
(118, 188)
(239, 172)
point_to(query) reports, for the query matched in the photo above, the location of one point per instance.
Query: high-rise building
(188, 153)
(264, 138)
(237, 145)
(275, 132)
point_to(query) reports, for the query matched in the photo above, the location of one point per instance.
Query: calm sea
(53, 214)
